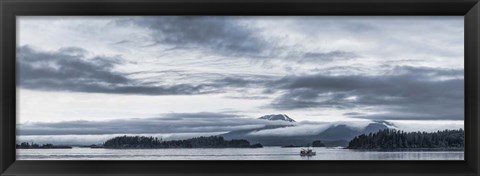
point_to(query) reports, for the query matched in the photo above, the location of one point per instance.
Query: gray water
(266, 153)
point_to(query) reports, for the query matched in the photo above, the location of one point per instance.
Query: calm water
(266, 153)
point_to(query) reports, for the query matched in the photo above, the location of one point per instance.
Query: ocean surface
(266, 153)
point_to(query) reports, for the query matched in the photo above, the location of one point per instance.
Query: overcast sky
(224, 71)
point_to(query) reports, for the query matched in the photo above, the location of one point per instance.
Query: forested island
(386, 139)
(317, 143)
(142, 142)
(26, 145)
(390, 139)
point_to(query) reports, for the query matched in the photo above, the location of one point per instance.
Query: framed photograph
(233, 88)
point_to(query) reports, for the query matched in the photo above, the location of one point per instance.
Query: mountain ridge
(333, 136)
(274, 117)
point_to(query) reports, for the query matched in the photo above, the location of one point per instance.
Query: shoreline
(365, 150)
(410, 149)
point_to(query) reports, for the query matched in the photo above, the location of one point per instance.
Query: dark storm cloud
(223, 35)
(201, 122)
(410, 93)
(428, 71)
(64, 64)
(69, 69)
(246, 81)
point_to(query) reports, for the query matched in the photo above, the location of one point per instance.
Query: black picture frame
(9, 9)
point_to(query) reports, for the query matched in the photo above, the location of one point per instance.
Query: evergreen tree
(318, 143)
(198, 142)
(395, 139)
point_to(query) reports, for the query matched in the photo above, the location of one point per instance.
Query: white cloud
(306, 128)
(299, 130)
(427, 125)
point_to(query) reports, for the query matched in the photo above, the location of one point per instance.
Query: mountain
(333, 136)
(277, 117)
(339, 132)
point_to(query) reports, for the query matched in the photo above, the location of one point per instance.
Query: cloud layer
(314, 68)
(402, 92)
(405, 93)
(213, 34)
(69, 69)
(201, 122)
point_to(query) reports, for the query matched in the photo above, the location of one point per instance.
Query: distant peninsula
(26, 145)
(391, 139)
(142, 142)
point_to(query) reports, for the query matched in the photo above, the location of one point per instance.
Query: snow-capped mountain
(277, 117)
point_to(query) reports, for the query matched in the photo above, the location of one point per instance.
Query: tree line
(198, 142)
(397, 139)
(26, 145)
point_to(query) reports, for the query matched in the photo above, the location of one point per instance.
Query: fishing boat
(307, 152)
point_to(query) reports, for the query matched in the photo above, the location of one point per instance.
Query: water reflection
(266, 153)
